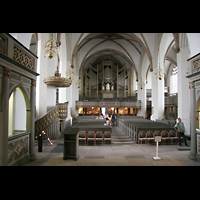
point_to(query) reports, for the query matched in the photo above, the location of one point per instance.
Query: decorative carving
(3, 44)
(60, 111)
(18, 149)
(57, 80)
(33, 83)
(21, 79)
(191, 85)
(6, 73)
(196, 65)
(21, 57)
(46, 120)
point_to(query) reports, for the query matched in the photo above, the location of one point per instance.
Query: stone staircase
(120, 138)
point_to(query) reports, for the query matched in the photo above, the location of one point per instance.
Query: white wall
(41, 87)
(194, 43)
(63, 67)
(149, 80)
(51, 90)
(24, 38)
(19, 111)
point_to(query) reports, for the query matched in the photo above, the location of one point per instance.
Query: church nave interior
(49, 80)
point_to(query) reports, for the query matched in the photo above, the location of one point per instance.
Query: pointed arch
(24, 94)
(176, 39)
(19, 110)
(117, 53)
(75, 50)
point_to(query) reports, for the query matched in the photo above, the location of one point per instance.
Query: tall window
(174, 80)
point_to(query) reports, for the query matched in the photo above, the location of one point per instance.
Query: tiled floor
(119, 154)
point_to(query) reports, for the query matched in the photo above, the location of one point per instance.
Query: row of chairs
(150, 136)
(98, 136)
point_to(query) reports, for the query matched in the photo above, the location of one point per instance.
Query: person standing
(107, 119)
(113, 117)
(180, 128)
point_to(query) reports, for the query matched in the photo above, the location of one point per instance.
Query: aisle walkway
(120, 138)
(122, 152)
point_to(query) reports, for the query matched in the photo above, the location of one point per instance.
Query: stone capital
(6, 73)
(191, 85)
(33, 83)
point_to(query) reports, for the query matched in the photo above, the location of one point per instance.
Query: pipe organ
(106, 80)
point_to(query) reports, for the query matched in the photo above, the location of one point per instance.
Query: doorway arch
(19, 111)
(198, 114)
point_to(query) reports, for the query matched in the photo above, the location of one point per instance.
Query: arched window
(174, 80)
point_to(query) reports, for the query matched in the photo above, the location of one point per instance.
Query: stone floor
(123, 152)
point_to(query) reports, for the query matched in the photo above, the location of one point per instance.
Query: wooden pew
(133, 125)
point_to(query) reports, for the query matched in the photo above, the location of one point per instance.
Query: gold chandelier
(78, 83)
(141, 84)
(159, 73)
(50, 48)
(70, 73)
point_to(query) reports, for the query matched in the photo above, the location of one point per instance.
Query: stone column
(4, 117)
(183, 90)
(168, 112)
(142, 96)
(90, 81)
(158, 98)
(133, 111)
(124, 82)
(32, 121)
(97, 81)
(193, 153)
(117, 83)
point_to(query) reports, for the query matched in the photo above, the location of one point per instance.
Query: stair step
(121, 142)
(120, 138)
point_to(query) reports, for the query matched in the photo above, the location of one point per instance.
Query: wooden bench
(107, 137)
(149, 135)
(133, 125)
(98, 136)
(91, 136)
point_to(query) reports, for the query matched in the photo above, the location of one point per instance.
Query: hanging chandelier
(159, 73)
(50, 48)
(70, 73)
(141, 84)
(78, 83)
